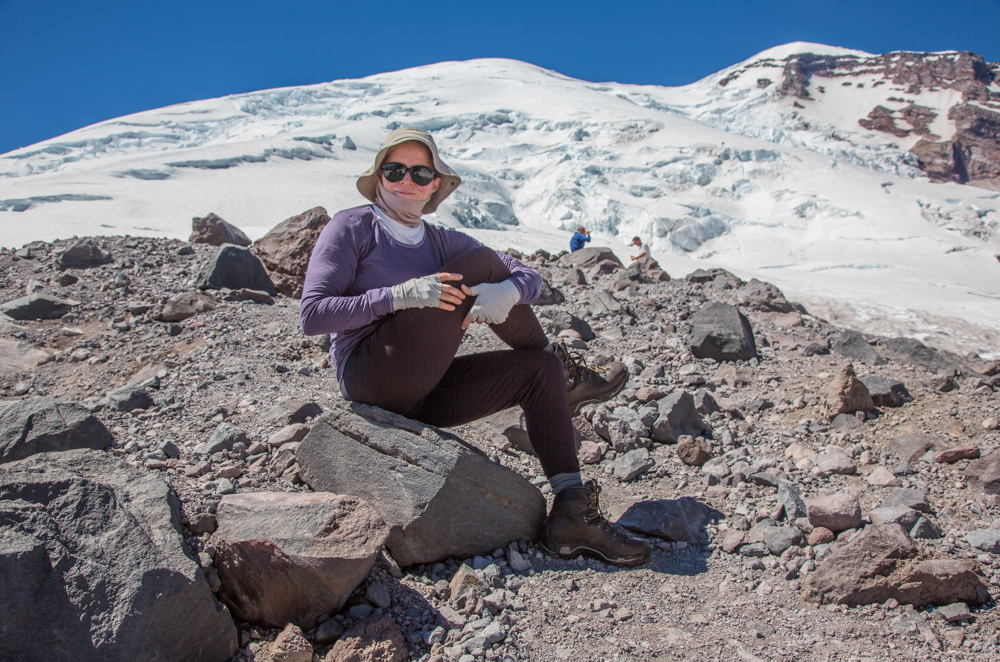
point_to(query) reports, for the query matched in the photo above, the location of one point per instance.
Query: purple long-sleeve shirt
(355, 262)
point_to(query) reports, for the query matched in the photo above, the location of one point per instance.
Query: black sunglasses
(420, 174)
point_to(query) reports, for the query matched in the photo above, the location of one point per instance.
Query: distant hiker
(579, 239)
(396, 295)
(643, 249)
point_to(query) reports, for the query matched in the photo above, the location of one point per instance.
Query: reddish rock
(288, 434)
(732, 540)
(693, 452)
(821, 535)
(184, 305)
(215, 231)
(984, 473)
(590, 453)
(968, 451)
(882, 477)
(289, 646)
(290, 557)
(285, 250)
(847, 394)
(837, 512)
(372, 639)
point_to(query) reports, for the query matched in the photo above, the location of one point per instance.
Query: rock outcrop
(46, 425)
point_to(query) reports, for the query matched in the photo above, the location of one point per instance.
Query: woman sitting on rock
(396, 295)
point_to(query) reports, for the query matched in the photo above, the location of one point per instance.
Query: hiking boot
(589, 384)
(575, 526)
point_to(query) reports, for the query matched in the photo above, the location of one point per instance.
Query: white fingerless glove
(422, 292)
(493, 301)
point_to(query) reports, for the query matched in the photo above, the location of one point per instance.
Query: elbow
(307, 320)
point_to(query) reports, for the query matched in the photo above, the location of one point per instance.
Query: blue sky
(65, 64)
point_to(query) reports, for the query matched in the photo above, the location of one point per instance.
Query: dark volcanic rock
(440, 496)
(721, 332)
(852, 345)
(588, 257)
(37, 307)
(672, 519)
(886, 392)
(291, 557)
(285, 250)
(83, 255)
(678, 416)
(914, 352)
(235, 267)
(44, 425)
(93, 567)
(215, 231)
(129, 398)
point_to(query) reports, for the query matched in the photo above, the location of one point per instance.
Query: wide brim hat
(368, 181)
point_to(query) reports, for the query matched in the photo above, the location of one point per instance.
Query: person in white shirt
(643, 249)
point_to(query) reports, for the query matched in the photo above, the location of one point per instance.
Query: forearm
(321, 314)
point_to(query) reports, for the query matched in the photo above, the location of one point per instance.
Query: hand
(493, 302)
(427, 292)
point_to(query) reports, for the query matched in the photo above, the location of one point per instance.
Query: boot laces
(576, 365)
(593, 514)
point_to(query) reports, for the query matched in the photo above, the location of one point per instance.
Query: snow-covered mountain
(781, 167)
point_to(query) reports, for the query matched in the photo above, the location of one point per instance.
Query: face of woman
(410, 154)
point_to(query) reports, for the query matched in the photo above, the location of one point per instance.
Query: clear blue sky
(65, 64)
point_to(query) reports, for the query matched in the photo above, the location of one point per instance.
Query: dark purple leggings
(408, 366)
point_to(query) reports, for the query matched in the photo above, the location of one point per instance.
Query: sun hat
(368, 180)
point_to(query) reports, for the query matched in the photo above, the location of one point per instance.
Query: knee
(479, 265)
(550, 367)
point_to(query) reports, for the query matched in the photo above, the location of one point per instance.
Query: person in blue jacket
(581, 237)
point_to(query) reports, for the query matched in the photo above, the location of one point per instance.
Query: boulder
(835, 463)
(602, 301)
(46, 425)
(910, 447)
(234, 267)
(633, 463)
(693, 452)
(286, 249)
(672, 519)
(93, 567)
(555, 320)
(905, 517)
(291, 557)
(886, 392)
(764, 297)
(987, 540)
(181, 306)
(791, 502)
(882, 477)
(721, 332)
(876, 567)
(780, 538)
(214, 231)
(372, 639)
(905, 497)
(837, 512)
(37, 307)
(678, 416)
(290, 646)
(847, 394)
(588, 257)
(852, 345)
(440, 496)
(913, 352)
(128, 398)
(82, 255)
(984, 473)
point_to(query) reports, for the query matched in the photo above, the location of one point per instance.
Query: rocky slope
(766, 477)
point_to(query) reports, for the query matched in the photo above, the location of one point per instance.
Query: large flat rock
(93, 567)
(440, 496)
(290, 557)
(44, 425)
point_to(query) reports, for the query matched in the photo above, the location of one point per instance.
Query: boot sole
(575, 408)
(575, 551)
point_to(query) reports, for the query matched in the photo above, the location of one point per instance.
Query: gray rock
(45, 425)
(378, 594)
(954, 613)
(328, 632)
(678, 416)
(672, 519)
(837, 512)
(440, 496)
(37, 307)
(984, 473)
(905, 517)
(128, 398)
(913, 352)
(845, 422)
(887, 392)
(717, 467)
(235, 267)
(852, 345)
(905, 497)
(705, 403)
(289, 412)
(588, 257)
(223, 439)
(911, 446)
(290, 557)
(215, 231)
(925, 530)
(624, 438)
(93, 567)
(754, 550)
(602, 301)
(629, 465)
(83, 255)
(791, 501)
(779, 538)
(721, 332)
(987, 540)
(554, 320)
(510, 424)
(835, 463)
(181, 306)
